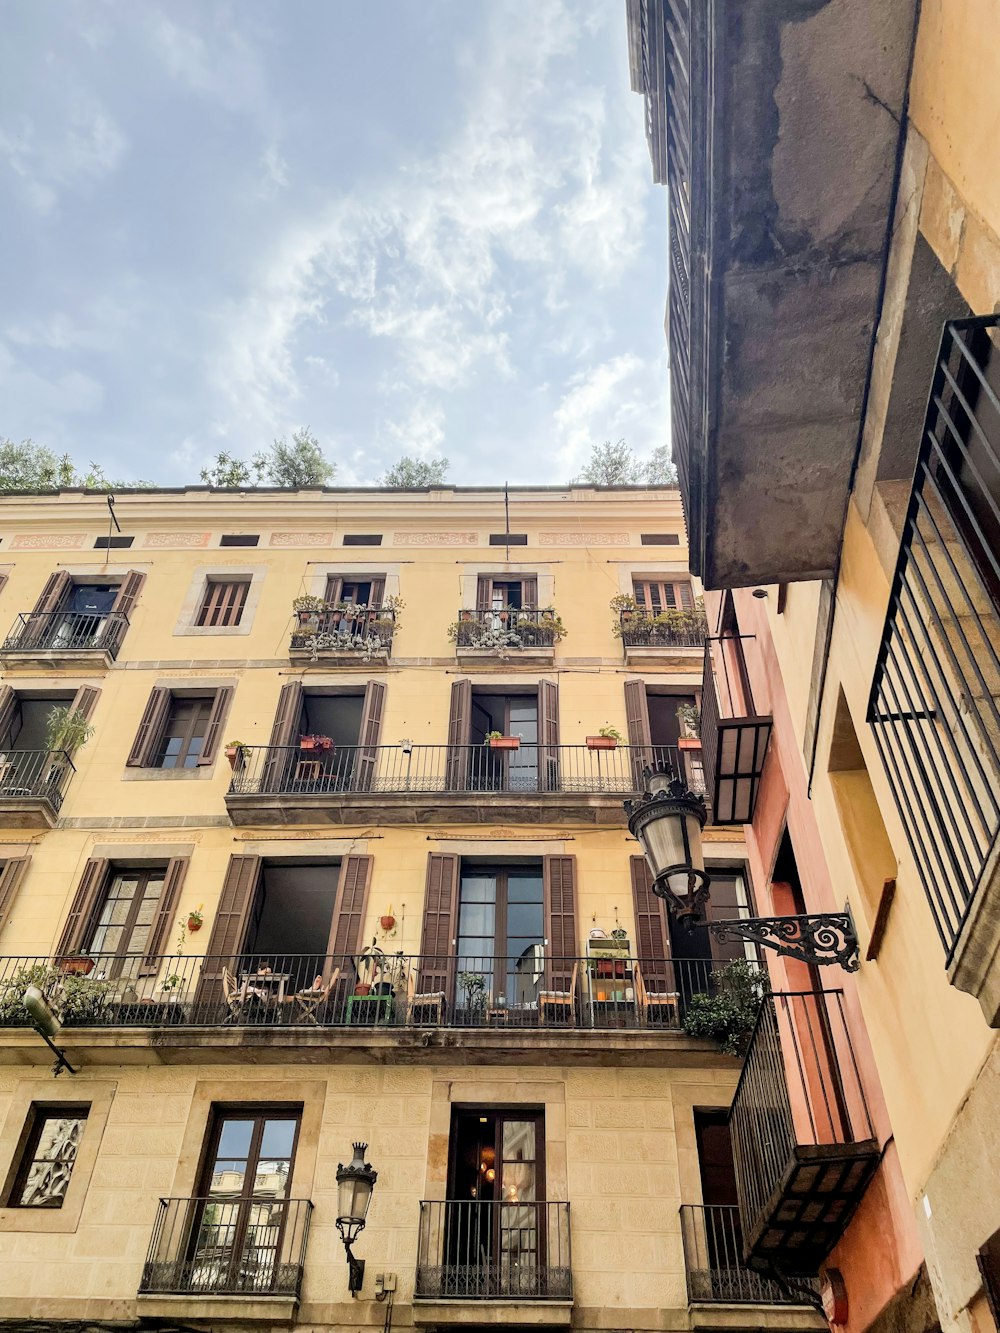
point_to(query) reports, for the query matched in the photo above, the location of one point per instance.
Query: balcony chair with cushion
(656, 1008)
(425, 1008)
(559, 1006)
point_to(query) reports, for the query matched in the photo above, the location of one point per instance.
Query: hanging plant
(195, 919)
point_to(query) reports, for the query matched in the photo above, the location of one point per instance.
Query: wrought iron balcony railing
(934, 706)
(663, 629)
(803, 1139)
(68, 632)
(332, 633)
(506, 629)
(530, 992)
(220, 1245)
(405, 770)
(41, 774)
(713, 1259)
(482, 1250)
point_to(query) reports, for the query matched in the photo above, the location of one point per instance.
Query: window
(180, 729)
(356, 590)
(49, 1157)
(500, 594)
(508, 539)
(223, 602)
(239, 539)
(501, 929)
(126, 917)
(113, 543)
(663, 594)
(362, 539)
(659, 539)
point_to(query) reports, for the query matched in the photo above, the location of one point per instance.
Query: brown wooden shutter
(173, 882)
(8, 708)
(651, 944)
(639, 737)
(562, 948)
(686, 596)
(548, 735)
(376, 595)
(230, 926)
(437, 938)
(150, 729)
(349, 914)
(459, 727)
(529, 592)
(3, 581)
(84, 906)
(280, 758)
(334, 588)
(216, 720)
(85, 700)
(128, 591)
(10, 881)
(484, 593)
(371, 731)
(56, 590)
(724, 905)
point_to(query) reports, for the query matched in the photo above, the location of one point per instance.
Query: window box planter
(76, 965)
(689, 743)
(505, 742)
(602, 743)
(315, 744)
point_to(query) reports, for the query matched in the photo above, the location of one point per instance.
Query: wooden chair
(656, 1008)
(231, 991)
(432, 1005)
(559, 1006)
(305, 1003)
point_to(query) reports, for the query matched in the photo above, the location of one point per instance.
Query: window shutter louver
(334, 589)
(213, 728)
(10, 881)
(529, 592)
(639, 737)
(150, 728)
(230, 926)
(283, 733)
(53, 595)
(173, 882)
(376, 595)
(559, 888)
(651, 943)
(484, 593)
(128, 591)
(85, 700)
(437, 939)
(8, 707)
(459, 726)
(548, 735)
(349, 913)
(371, 730)
(84, 906)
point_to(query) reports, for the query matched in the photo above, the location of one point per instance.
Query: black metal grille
(39, 774)
(713, 1259)
(225, 1246)
(66, 631)
(934, 698)
(505, 629)
(475, 1249)
(663, 629)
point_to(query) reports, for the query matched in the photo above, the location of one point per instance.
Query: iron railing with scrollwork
(713, 1260)
(512, 628)
(479, 1249)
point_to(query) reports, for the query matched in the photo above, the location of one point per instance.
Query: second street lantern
(667, 820)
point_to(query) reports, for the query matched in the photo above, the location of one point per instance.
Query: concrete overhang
(795, 117)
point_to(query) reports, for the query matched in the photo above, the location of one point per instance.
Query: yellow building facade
(262, 860)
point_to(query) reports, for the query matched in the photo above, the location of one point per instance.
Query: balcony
(418, 784)
(74, 640)
(247, 1251)
(506, 635)
(473, 1251)
(803, 1141)
(341, 638)
(662, 636)
(934, 706)
(733, 748)
(531, 1002)
(716, 1273)
(776, 233)
(32, 786)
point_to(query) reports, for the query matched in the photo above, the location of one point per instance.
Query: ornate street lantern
(355, 1183)
(667, 820)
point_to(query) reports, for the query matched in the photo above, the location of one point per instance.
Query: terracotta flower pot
(689, 743)
(505, 742)
(76, 965)
(387, 922)
(234, 753)
(362, 988)
(602, 743)
(195, 924)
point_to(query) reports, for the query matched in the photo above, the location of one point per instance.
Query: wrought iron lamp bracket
(355, 1271)
(821, 938)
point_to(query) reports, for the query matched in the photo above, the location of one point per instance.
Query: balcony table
(272, 983)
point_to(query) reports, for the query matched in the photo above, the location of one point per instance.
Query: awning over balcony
(733, 751)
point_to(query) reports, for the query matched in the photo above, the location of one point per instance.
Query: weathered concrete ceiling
(797, 164)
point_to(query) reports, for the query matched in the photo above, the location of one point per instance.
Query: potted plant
(607, 738)
(625, 609)
(370, 962)
(690, 719)
(66, 730)
(474, 986)
(315, 743)
(388, 921)
(729, 1013)
(308, 609)
(236, 753)
(195, 919)
(496, 740)
(76, 964)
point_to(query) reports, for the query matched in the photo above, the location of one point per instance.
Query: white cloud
(623, 397)
(87, 145)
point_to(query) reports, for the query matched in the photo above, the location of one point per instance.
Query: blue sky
(416, 226)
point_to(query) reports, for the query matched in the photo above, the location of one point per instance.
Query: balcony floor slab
(204, 1309)
(407, 808)
(492, 1314)
(710, 1315)
(27, 812)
